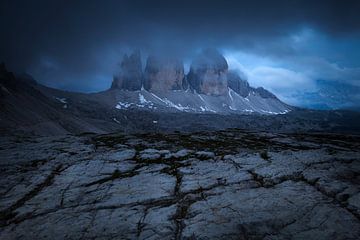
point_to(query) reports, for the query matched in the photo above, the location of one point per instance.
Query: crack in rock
(207, 185)
(10, 213)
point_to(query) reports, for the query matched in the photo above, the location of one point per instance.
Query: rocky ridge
(130, 76)
(163, 74)
(208, 75)
(28, 107)
(209, 87)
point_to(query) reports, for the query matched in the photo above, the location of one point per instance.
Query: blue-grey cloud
(314, 61)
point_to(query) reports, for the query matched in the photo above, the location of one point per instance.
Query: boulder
(130, 76)
(163, 74)
(208, 73)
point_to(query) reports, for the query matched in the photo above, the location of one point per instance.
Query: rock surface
(264, 93)
(130, 76)
(163, 74)
(208, 73)
(237, 84)
(208, 185)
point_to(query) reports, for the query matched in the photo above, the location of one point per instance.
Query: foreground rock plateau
(229, 184)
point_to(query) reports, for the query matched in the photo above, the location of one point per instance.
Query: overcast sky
(285, 46)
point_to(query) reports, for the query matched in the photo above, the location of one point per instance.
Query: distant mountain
(208, 87)
(160, 98)
(331, 95)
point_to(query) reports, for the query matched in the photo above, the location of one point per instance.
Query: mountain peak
(213, 88)
(163, 74)
(130, 76)
(208, 73)
(210, 58)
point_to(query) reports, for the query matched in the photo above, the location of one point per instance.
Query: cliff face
(237, 84)
(208, 73)
(163, 74)
(130, 76)
(264, 93)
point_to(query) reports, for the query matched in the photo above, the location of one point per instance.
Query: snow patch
(124, 105)
(232, 102)
(248, 110)
(143, 103)
(229, 92)
(206, 109)
(115, 120)
(62, 100)
(143, 100)
(202, 99)
(169, 103)
(284, 112)
(177, 106)
(157, 97)
(275, 113)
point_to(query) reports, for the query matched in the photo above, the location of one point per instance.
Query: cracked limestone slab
(75, 187)
(202, 174)
(259, 212)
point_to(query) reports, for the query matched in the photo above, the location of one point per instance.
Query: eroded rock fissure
(9, 213)
(204, 180)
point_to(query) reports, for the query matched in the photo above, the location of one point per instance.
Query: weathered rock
(264, 93)
(208, 73)
(179, 154)
(354, 203)
(70, 188)
(120, 155)
(204, 155)
(242, 87)
(130, 76)
(150, 154)
(163, 74)
(239, 85)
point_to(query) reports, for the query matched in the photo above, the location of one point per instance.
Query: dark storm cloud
(73, 44)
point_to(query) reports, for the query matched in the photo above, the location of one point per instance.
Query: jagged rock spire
(163, 74)
(208, 73)
(130, 76)
(239, 85)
